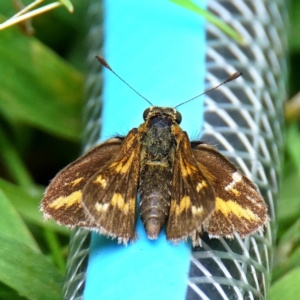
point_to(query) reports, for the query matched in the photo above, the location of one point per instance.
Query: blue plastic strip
(159, 48)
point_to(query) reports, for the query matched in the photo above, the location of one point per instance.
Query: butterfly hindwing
(192, 197)
(239, 205)
(109, 198)
(62, 199)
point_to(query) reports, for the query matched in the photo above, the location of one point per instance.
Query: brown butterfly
(190, 187)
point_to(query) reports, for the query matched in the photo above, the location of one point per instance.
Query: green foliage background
(41, 99)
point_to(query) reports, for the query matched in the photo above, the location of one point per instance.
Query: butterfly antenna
(105, 64)
(230, 78)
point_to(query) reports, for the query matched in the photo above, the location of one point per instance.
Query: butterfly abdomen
(157, 156)
(155, 198)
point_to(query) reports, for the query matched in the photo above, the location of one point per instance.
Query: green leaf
(287, 255)
(289, 206)
(12, 225)
(55, 248)
(287, 287)
(27, 203)
(68, 4)
(188, 4)
(293, 144)
(28, 272)
(8, 293)
(13, 162)
(37, 87)
(288, 262)
(294, 26)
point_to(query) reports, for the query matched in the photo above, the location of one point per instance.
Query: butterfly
(188, 187)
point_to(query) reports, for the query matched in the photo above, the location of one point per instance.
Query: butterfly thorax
(157, 157)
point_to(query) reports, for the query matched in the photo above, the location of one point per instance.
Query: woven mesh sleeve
(80, 238)
(243, 119)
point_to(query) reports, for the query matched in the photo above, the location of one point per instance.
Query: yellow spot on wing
(235, 191)
(123, 165)
(185, 203)
(74, 198)
(100, 180)
(76, 181)
(186, 168)
(201, 185)
(226, 207)
(127, 165)
(118, 201)
(131, 205)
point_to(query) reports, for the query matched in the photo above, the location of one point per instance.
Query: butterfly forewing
(239, 205)
(109, 198)
(63, 197)
(192, 197)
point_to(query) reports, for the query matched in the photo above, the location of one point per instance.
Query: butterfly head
(162, 112)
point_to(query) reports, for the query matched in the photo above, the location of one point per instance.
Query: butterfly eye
(178, 117)
(146, 113)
